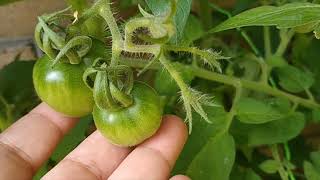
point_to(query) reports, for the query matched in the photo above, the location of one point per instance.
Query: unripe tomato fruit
(62, 88)
(131, 125)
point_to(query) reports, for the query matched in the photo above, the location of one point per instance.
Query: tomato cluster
(63, 87)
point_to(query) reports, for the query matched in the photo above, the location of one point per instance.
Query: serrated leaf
(272, 132)
(286, 16)
(310, 172)
(252, 111)
(72, 139)
(215, 160)
(270, 166)
(183, 9)
(201, 133)
(293, 79)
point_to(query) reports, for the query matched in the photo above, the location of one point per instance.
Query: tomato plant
(244, 75)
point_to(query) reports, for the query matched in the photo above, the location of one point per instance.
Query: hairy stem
(256, 86)
(117, 41)
(248, 84)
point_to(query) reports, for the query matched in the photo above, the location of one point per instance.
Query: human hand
(30, 141)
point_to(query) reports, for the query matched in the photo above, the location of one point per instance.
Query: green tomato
(131, 125)
(62, 88)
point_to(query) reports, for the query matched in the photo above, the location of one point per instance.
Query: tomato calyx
(109, 91)
(55, 42)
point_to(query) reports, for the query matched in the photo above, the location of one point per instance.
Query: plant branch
(248, 84)
(285, 37)
(117, 41)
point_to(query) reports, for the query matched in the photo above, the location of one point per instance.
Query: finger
(94, 158)
(180, 177)
(155, 158)
(29, 142)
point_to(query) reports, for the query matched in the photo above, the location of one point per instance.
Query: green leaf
(310, 172)
(293, 79)
(252, 111)
(276, 61)
(72, 139)
(215, 160)
(201, 133)
(286, 16)
(270, 166)
(281, 104)
(192, 31)
(180, 19)
(269, 133)
(78, 5)
(305, 53)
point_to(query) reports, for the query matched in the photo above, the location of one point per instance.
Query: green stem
(104, 10)
(310, 95)
(248, 84)
(288, 157)
(275, 153)
(252, 85)
(232, 111)
(285, 37)
(267, 41)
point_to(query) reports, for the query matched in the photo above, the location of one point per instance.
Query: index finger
(155, 158)
(29, 142)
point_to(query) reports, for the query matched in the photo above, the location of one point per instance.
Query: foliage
(244, 104)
